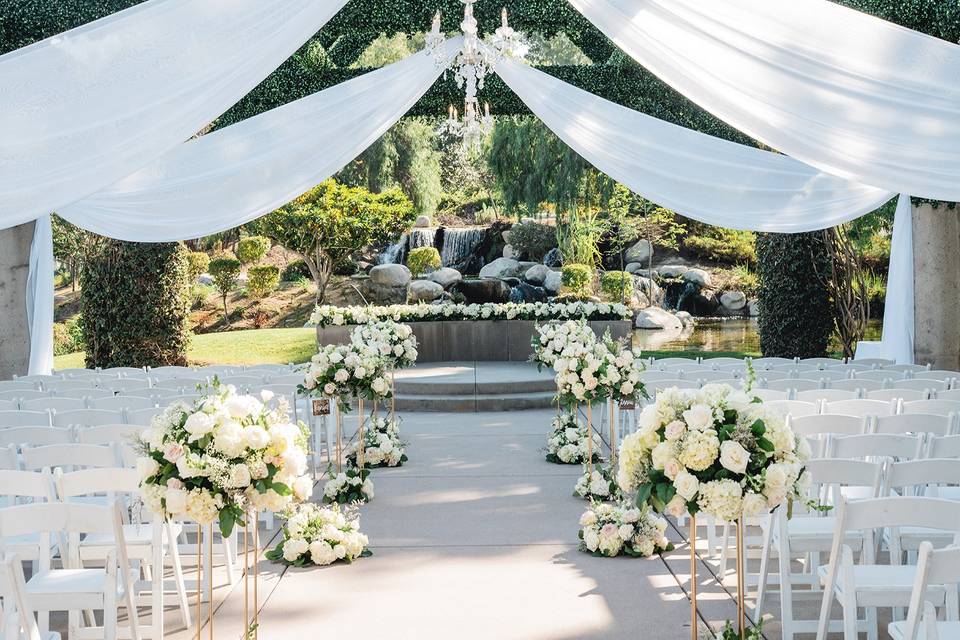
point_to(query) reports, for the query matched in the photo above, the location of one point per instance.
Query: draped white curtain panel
(231, 176)
(82, 109)
(848, 93)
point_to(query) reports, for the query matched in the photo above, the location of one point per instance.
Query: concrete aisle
(475, 538)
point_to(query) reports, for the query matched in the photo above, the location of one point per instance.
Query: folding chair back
(108, 433)
(123, 403)
(54, 404)
(142, 417)
(934, 567)
(938, 406)
(862, 408)
(86, 417)
(24, 419)
(795, 408)
(920, 474)
(914, 423)
(822, 425)
(885, 445)
(768, 395)
(856, 385)
(35, 436)
(896, 395)
(944, 447)
(826, 395)
(69, 456)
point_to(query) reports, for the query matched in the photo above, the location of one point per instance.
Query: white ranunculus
(734, 457)
(239, 476)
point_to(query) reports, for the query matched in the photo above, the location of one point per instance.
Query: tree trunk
(226, 314)
(320, 267)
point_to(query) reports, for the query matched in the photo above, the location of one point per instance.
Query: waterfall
(393, 253)
(459, 245)
(421, 237)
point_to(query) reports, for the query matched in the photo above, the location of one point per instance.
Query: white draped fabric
(898, 308)
(703, 177)
(845, 92)
(82, 109)
(231, 176)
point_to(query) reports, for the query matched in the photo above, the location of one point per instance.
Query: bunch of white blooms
(225, 454)
(395, 342)
(714, 449)
(341, 371)
(349, 487)
(609, 530)
(567, 443)
(382, 445)
(327, 315)
(598, 484)
(316, 535)
(556, 338)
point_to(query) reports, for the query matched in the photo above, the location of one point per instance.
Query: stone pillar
(936, 269)
(14, 332)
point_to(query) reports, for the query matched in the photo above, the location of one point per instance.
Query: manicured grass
(256, 346)
(700, 354)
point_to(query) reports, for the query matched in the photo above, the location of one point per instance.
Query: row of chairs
(76, 417)
(57, 385)
(773, 362)
(938, 381)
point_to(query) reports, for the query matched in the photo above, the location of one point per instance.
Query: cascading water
(460, 244)
(393, 253)
(421, 238)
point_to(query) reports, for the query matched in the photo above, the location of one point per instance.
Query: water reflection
(716, 334)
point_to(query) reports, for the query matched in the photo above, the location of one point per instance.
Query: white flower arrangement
(341, 371)
(553, 339)
(608, 530)
(222, 456)
(567, 443)
(714, 449)
(597, 484)
(382, 445)
(394, 342)
(352, 486)
(320, 535)
(327, 315)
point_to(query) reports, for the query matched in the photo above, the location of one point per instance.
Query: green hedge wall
(134, 304)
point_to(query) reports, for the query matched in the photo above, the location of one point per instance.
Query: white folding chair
(35, 436)
(922, 384)
(278, 369)
(170, 371)
(861, 407)
(54, 404)
(736, 383)
(81, 394)
(724, 361)
(180, 384)
(650, 376)
(122, 485)
(123, 403)
(795, 408)
(128, 372)
(143, 416)
(769, 394)
(865, 386)
(822, 425)
(76, 588)
(121, 436)
(951, 394)
(24, 418)
(246, 384)
(914, 423)
(934, 567)
(796, 384)
(659, 385)
(16, 395)
(809, 534)
(938, 406)
(38, 380)
(19, 621)
(933, 478)
(907, 368)
(897, 394)
(69, 457)
(820, 362)
(159, 394)
(286, 378)
(870, 585)
(825, 395)
(769, 375)
(63, 385)
(221, 371)
(9, 405)
(185, 398)
(879, 375)
(17, 385)
(659, 363)
(8, 458)
(120, 385)
(944, 447)
(875, 362)
(766, 363)
(877, 445)
(830, 375)
(940, 374)
(86, 417)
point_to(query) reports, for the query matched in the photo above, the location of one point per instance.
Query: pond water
(717, 334)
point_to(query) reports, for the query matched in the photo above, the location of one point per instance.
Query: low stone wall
(455, 340)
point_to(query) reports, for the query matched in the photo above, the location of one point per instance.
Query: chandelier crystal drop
(470, 66)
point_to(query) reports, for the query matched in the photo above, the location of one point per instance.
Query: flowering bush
(382, 445)
(326, 315)
(341, 371)
(225, 454)
(320, 536)
(609, 530)
(395, 343)
(567, 443)
(713, 449)
(598, 484)
(348, 487)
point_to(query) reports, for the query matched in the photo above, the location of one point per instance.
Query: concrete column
(14, 332)
(936, 268)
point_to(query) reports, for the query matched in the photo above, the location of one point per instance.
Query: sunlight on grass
(256, 346)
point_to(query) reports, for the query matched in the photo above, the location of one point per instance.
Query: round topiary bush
(577, 279)
(225, 268)
(295, 271)
(616, 286)
(423, 260)
(262, 280)
(197, 263)
(251, 249)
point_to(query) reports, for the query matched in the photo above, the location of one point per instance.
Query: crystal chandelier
(470, 66)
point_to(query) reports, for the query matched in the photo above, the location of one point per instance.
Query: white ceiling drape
(82, 109)
(848, 93)
(712, 180)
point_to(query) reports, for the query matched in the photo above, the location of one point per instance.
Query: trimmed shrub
(225, 268)
(723, 245)
(423, 260)
(294, 271)
(197, 263)
(198, 295)
(616, 286)
(576, 279)
(533, 239)
(134, 304)
(251, 249)
(262, 280)
(796, 317)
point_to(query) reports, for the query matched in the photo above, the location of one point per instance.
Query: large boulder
(501, 268)
(390, 275)
(639, 252)
(672, 270)
(638, 269)
(524, 292)
(753, 308)
(480, 291)
(648, 286)
(553, 258)
(638, 300)
(444, 276)
(510, 252)
(422, 221)
(685, 318)
(733, 300)
(537, 274)
(657, 318)
(553, 282)
(697, 276)
(424, 291)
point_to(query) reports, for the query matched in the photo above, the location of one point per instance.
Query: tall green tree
(70, 245)
(331, 221)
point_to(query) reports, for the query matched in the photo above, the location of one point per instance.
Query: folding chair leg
(786, 594)
(849, 596)
(872, 624)
(182, 600)
(764, 570)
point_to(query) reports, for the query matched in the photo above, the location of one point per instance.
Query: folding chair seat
(19, 620)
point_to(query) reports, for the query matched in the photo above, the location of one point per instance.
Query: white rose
(677, 506)
(146, 467)
(661, 454)
(734, 457)
(302, 488)
(239, 475)
(341, 375)
(256, 437)
(199, 425)
(674, 430)
(294, 548)
(698, 417)
(591, 539)
(686, 484)
(588, 518)
(671, 468)
(176, 501)
(625, 531)
(754, 504)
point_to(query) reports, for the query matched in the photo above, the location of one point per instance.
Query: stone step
(469, 402)
(428, 387)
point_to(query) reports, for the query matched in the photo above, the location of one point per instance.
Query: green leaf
(281, 489)
(758, 428)
(226, 522)
(766, 445)
(643, 493)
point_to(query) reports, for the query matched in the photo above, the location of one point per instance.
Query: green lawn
(256, 346)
